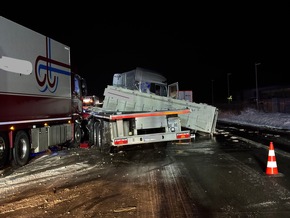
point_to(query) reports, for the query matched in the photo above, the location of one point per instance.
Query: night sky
(199, 47)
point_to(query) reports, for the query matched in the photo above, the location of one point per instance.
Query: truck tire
(97, 135)
(77, 136)
(4, 150)
(21, 149)
(98, 138)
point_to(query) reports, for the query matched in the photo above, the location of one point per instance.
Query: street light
(228, 81)
(257, 92)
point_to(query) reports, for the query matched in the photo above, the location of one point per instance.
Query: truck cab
(143, 80)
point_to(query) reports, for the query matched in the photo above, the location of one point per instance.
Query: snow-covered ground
(253, 117)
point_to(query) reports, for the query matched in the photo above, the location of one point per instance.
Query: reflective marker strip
(271, 164)
(271, 153)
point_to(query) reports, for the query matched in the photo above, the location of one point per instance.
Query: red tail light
(122, 141)
(183, 135)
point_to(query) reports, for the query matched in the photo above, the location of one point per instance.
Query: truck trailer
(41, 98)
(145, 90)
(110, 130)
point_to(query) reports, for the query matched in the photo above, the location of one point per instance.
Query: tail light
(121, 141)
(183, 135)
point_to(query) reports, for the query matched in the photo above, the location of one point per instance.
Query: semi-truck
(140, 102)
(41, 98)
(110, 128)
(142, 89)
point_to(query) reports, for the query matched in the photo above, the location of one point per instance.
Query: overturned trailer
(144, 90)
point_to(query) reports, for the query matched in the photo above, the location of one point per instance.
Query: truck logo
(47, 71)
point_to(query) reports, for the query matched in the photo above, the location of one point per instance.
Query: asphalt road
(221, 176)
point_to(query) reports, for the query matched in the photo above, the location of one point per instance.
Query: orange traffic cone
(272, 168)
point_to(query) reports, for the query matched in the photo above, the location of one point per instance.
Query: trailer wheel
(97, 135)
(21, 150)
(4, 150)
(77, 136)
